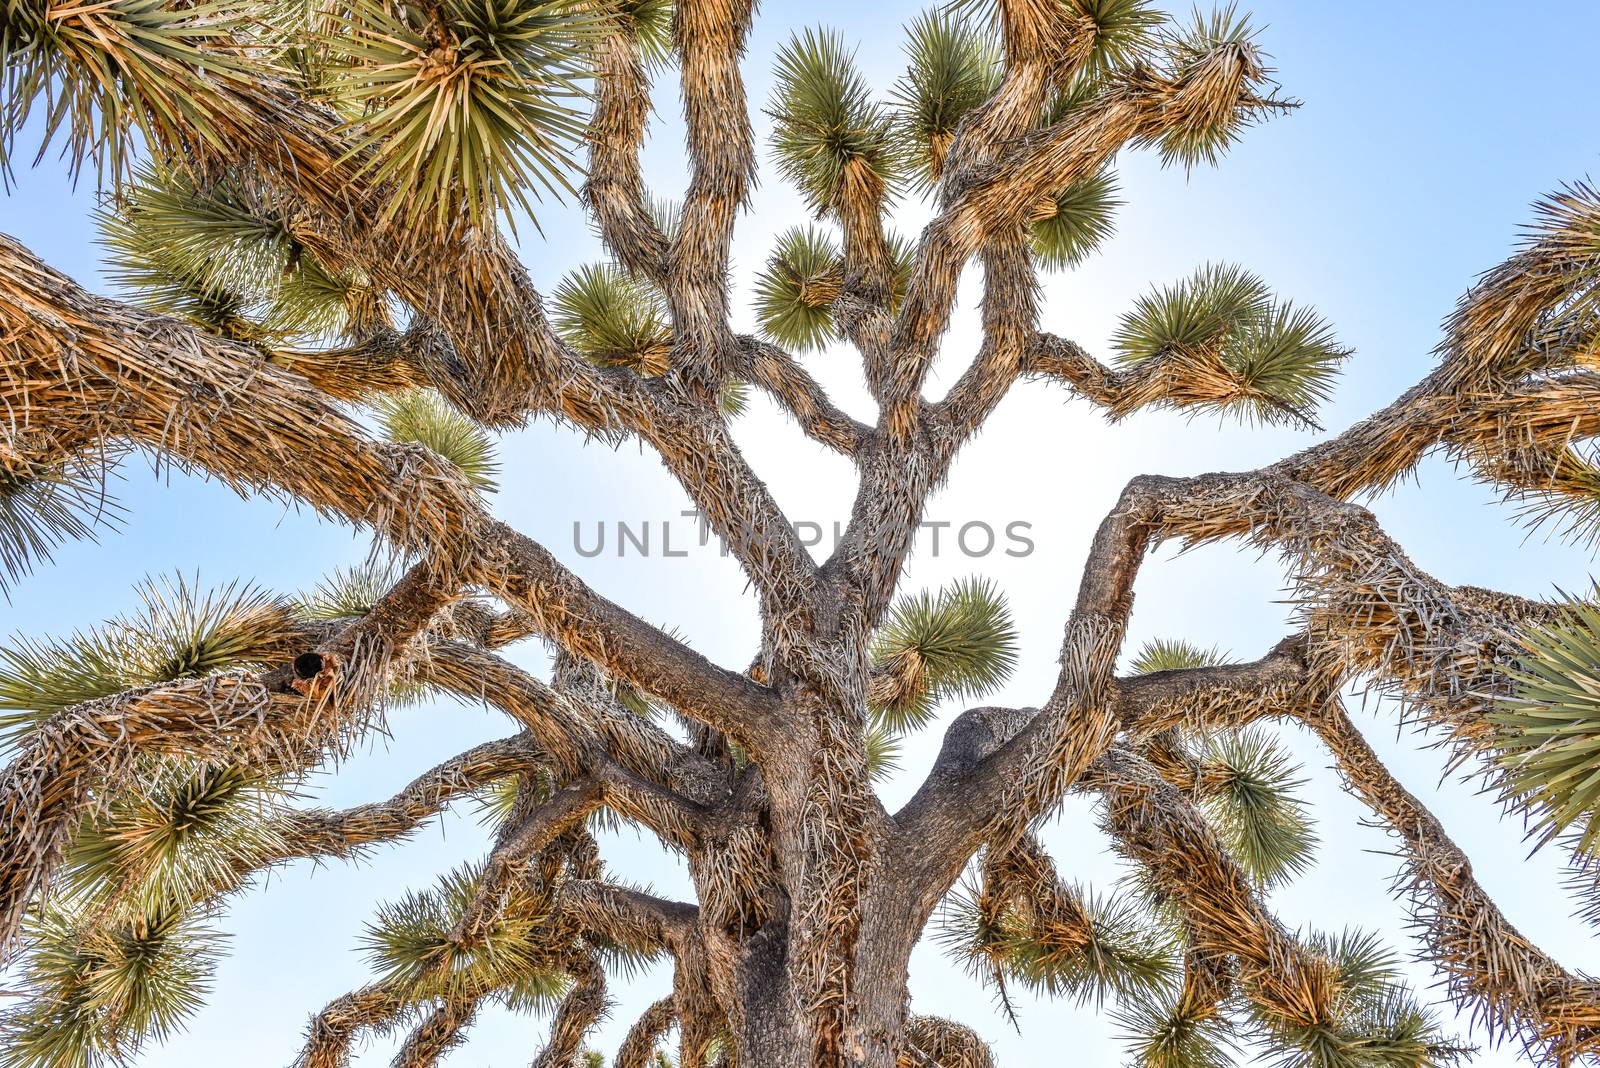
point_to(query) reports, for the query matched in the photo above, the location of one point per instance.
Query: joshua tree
(304, 202)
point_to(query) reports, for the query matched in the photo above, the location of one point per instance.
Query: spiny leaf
(183, 632)
(648, 23)
(1375, 1022)
(958, 643)
(410, 943)
(95, 989)
(39, 678)
(1124, 31)
(470, 112)
(1548, 733)
(1107, 34)
(1216, 66)
(1198, 313)
(423, 417)
(220, 254)
(1231, 347)
(312, 300)
(831, 141)
(1073, 223)
(734, 398)
(883, 747)
(955, 66)
(1098, 947)
(45, 507)
(614, 319)
(1249, 782)
(1289, 356)
(795, 292)
(349, 592)
(181, 834)
(205, 254)
(110, 71)
(1164, 654)
(1161, 1034)
(178, 632)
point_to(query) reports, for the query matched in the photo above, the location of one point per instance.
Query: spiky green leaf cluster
(179, 631)
(1170, 654)
(830, 139)
(46, 507)
(1066, 230)
(95, 988)
(883, 748)
(1375, 1021)
(1215, 62)
(794, 293)
(1276, 359)
(648, 23)
(1549, 726)
(423, 417)
(1124, 32)
(1106, 948)
(614, 319)
(958, 643)
(1160, 1033)
(411, 946)
(468, 106)
(954, 66)
(1125, 956)
(220, 254)
(108, 75)
(1119, 32)
(734, 398)
(1249, 786)
(180, 834)
(349, 592)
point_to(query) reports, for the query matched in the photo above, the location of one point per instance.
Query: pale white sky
(1425, 133)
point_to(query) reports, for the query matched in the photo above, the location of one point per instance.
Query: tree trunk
(781, 1031)
(825, 987)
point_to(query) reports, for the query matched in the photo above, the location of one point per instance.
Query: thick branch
(709, 36)
(615, 191)
(950, 816)
(787, 382)
(638, 1049)
(1163, 831)
(440, 1032)
(580, 1010)
(112, 371)
(998, 199)
(285, 720)
(346, 833)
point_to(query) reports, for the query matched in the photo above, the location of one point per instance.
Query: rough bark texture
(810, 894)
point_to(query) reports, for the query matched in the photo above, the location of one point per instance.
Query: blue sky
(1426, 131)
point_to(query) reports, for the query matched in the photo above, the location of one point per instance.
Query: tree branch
(786, 381)
(346, 833)
(998, 197)
(1487, 964)
(579, 1012)
(283, 719)
(614, 190)
(709, 36)
(440, 1032)
(639, 1046)
(117, 372)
